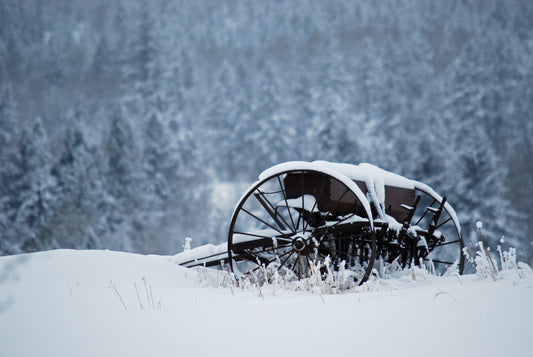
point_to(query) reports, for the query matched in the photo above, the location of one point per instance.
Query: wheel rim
(292, 222)
(440, 244)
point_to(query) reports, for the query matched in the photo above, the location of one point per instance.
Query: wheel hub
(299, 243)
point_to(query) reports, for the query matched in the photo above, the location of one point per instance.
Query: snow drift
(103, 303)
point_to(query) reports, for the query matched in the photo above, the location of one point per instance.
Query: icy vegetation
(130, 125)
(103, 303)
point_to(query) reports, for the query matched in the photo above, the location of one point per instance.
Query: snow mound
(103, 303)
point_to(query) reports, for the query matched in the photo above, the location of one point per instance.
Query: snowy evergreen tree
(102, 63)
(479, 184)
(9, 132)
(271, 133)
(221, 119)
(236, 87)
(11, 172)
(121, 167)
(77, 189)
(330, 137)
(520, 158)
(37, 192)
(122, 158)
(301, 112)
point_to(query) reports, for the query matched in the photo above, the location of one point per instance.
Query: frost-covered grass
(492, 266)
(323, 279)
(102, 303)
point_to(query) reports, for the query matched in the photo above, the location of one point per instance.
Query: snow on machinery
(301, 216)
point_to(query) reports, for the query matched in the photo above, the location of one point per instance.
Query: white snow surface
(308, 201)
(87, 303)
(199, 253)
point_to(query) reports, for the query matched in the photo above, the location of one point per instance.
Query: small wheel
(297, 220)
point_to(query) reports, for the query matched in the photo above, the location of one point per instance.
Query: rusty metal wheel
(429, 237)
(440, 228)
(301, 219)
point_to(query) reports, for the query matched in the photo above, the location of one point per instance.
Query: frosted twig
(439, 292)
(443, 292)
(120, 297)
(146, 289)
(494, 270)
(138, 297)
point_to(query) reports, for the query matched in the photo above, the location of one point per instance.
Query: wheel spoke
(299, 266)
(301, 210)
(262, 221)
(443, 223)
(270, 209)
(425, 212)
(266, 250)
(287, 252)
(256, 256)
(315, 204)
(282, 264)
(256, 235)
(294, 228)
(294, 265)
(274, 209)
(262, 260)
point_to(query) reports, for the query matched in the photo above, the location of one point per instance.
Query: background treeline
(132, 124)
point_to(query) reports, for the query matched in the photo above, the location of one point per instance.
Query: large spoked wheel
(299, 222)
(442, 243)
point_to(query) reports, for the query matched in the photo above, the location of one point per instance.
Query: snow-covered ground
(88, 303)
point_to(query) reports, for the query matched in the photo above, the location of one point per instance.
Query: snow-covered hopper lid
(369, 173)
(388, 190)
(374, 183)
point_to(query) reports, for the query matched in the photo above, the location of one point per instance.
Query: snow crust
(201, 252)
(88, 303)
(369, 173)
(309, 203)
